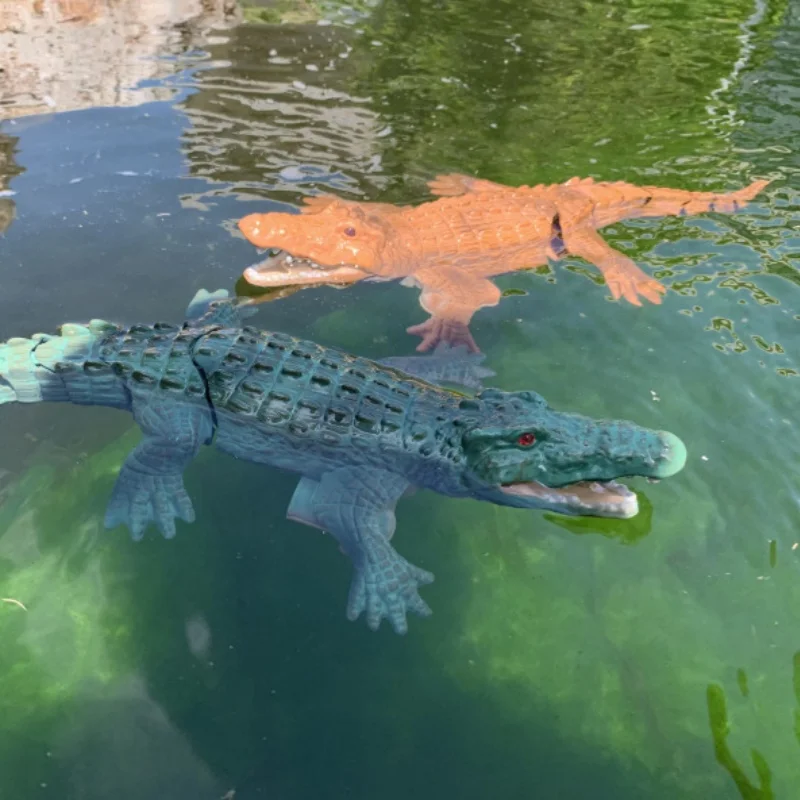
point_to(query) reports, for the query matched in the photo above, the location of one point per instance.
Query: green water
(657, 657)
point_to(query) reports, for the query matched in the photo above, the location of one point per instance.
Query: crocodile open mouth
(284, 269)
(590, 498)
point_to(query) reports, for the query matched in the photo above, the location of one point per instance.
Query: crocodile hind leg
(451, 296)
(150, 487)
(356, 505)
(623, 277)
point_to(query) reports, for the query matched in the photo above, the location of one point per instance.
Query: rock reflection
(65, 55)
(8, 169)
(62, 55)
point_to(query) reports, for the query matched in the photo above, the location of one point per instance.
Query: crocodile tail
(618, 201)
(64, 368)
(671, 202)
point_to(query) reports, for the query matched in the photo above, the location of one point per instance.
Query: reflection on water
(567, 657)
(281, 118)
(8, 169)
(372, 111)
(61, 55)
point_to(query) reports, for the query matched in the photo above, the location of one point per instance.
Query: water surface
(655, 657)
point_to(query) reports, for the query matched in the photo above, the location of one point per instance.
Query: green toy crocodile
(360, 434)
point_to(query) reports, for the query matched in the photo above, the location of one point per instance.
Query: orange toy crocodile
(452, 246)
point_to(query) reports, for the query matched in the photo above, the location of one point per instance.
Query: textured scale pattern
(65, 368)
(157, 357)
(359, 434)
(277, 382)
(472, 230)
(477, 229)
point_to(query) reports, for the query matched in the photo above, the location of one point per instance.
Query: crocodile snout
(672, 458)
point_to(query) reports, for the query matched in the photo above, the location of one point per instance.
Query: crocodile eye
(349, 231)
(526, 440)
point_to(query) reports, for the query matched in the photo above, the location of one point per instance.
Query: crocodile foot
(388, 590)
(356, 505)
(631, 283)
(139, 498)
(436, 330)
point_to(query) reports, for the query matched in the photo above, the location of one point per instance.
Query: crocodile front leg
(451, 296)
(150, 487)
(356, 505)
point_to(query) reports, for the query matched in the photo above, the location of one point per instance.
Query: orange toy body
(452, 246)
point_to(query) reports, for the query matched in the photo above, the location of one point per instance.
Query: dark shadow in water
(243, 673)
(117, 742)
(290, 697)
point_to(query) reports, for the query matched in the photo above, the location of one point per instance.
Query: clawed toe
(435, 331)
(138, 499)
(632, 287)
(389, 599)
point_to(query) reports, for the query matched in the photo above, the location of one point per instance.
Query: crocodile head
(330, 242)
(523, 453)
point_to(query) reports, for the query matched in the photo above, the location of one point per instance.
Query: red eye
(349, 231)
(526, 440)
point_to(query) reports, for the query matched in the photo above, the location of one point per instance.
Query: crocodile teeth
(285, 269)
(597, 498)
(281, 260)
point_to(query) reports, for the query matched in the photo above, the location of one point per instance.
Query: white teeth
(611, 499)
(281, 260)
